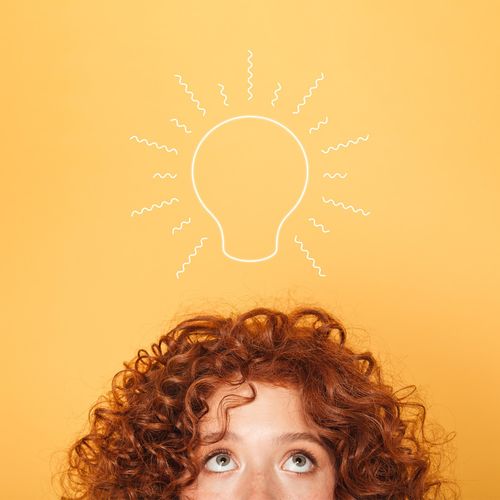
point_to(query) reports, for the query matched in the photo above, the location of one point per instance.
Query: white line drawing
(193, 178)
(308, 257)
(315, 224)
(155, 205)
(180, 125)
(345, 207)
(155, 144)
(334, 175)
(309, 94)
(276, 90)
(250, 75)
(350, 142)
(193, 254)
(190, 93)
(318, 125)
(163, 176)
(221, 92)
(181, 225)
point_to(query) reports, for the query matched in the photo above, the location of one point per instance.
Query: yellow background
(86, 285)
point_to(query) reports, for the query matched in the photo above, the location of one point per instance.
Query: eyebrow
(287, 437)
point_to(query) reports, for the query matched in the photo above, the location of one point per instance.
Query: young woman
(264, 405)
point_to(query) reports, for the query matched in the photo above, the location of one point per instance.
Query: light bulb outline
(296, 204)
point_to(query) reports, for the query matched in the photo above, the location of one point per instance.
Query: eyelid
(212, 454)
(310, 455)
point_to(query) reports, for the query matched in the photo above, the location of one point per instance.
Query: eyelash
(308, 454)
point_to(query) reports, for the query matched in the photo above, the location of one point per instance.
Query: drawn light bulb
(255, 164)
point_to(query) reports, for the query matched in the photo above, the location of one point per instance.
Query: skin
(255, 465)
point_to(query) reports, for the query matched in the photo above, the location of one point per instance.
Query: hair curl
(145, 430)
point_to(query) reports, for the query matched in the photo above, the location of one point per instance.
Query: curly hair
(144, 432)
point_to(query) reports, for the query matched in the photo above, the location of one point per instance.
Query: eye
(220, 461)
(300, 462)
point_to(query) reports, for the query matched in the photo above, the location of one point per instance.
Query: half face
(269, 451)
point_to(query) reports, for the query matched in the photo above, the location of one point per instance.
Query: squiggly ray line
(306, 252)
(348, 143)
(162, 176)
(155, 205)
(193, 254)
(181, 225)
(276, 90)
(318, 125)
(221, 92)
(189, 92)
(250, 75)
(336, 174)
(315, 224)
(309, 94)
(348, 207)
(180, 125)
(155, 144)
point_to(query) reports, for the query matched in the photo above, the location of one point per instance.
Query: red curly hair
(144, 432)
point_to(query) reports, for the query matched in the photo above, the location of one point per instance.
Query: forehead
(274, 406)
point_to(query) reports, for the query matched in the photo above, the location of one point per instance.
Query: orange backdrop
(87, 284)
